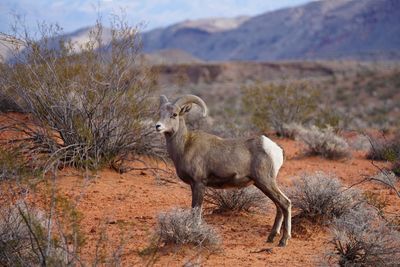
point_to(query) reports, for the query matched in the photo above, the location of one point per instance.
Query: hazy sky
(74, 14)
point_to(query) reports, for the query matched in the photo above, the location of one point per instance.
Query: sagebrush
(324, 142)
(291, 130)
(322, 197)
(180, 227)
(243, 199)
(362, 238)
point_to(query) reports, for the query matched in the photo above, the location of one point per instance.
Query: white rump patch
(274, 151)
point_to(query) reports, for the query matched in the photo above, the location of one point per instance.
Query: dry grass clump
(243, 199)
(324, 142)
(321, 197)
(362, 238)
(181, 227)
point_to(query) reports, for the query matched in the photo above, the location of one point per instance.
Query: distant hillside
(326, 29)
(330, 29)
(170, 56)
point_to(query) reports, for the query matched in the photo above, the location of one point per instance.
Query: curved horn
(186, 99)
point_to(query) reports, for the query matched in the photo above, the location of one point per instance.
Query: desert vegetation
(362, 238)
(243, 199)
(182, 227)
(80, 141)
(277, 105)
(322, 197)
(88, 109)
(324, 142)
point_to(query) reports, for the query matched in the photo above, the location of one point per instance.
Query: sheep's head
(171, 112)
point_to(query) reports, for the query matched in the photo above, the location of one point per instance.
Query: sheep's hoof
(271, 237)
(283, 242)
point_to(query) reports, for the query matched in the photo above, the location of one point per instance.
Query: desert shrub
(322, 197)
(23, 240)
(90, 102)
(7, 104)
(185, 227)
(375, 200)
(324, 142)
(14, 165)
(384, 149)
(291, 130)
(274, 105)
(396, 167)
(243, 199)
(362, 238)
(361, 142)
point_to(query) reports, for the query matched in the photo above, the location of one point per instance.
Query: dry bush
(274, 105)
(180, 227)
(362, 238)
(376, 201)
(322, 197)
(243, 199)
(11, 165)
(396, 167)
(361, 142)
(291, 130)
(90, 102)
(324, 142)
(49, 235)
(24, 240)
(384, 149)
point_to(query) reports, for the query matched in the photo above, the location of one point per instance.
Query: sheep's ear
(163, 100)
(185, 109)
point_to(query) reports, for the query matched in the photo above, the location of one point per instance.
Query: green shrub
(90, 102)
(274, 105)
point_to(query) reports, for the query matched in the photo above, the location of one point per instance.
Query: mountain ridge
(330, 29)
(318, 30)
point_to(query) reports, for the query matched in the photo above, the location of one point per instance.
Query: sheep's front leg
(198, 189)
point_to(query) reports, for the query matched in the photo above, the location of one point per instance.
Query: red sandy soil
(125, 207)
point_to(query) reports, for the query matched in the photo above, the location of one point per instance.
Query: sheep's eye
(174, 115)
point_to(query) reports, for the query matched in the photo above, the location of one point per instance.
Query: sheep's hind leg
(272, 191)
(276, 228)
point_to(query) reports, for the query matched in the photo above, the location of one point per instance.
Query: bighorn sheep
(202, 159)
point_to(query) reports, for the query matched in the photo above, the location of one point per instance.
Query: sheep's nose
(158, 126)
